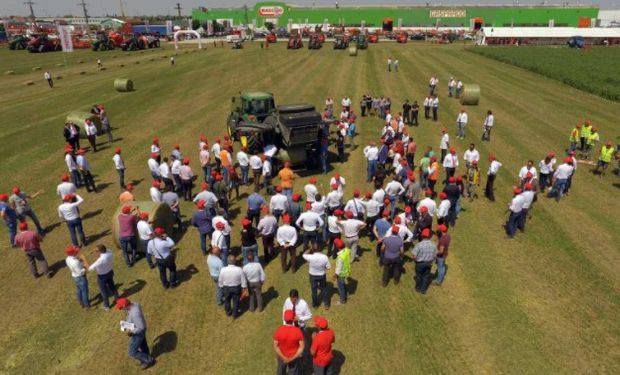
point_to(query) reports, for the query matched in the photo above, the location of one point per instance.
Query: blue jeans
(106, 284)
(511, 226)
(121, 177)
(81, 285)
(342, 289)
(139, 348)
(254, 215)
(126, 243)
(206, 170)
(372, 167)
(572, 146)
(317, 282)
(289, 193)
(224, 255)
(12, 225)
(226, 175)
(393, 203)
(558, 189)
(218, 291)
(441, 270)
(324, 163)
(277, 214)
(203, 243)
(76, 226)
(460, 129)
(244, 174)
(249, 249)
(167, 264)
(232, 295)
(149, 257)
(34, 218)
(76, 178)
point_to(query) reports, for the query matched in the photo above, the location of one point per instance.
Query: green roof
(256, 95)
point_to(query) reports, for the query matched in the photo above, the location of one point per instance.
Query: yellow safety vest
(574, 135)
(591, 138)
(345, 256)
(586, 131)
(606, 154)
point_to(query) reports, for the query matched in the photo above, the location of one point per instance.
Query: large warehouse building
(282, 14)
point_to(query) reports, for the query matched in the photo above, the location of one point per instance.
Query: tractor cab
(253, 106)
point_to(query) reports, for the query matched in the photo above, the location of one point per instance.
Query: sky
(50, 8)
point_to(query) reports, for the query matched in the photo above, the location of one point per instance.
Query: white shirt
(435, 102)
(311, 191)
(266, 168)
(243, 159)
(459, 84)
(445, 140)
(278, 202)
(164, 170)
(452, 83)
(341, 182)
(65, 188)
(428, 203)
(90, 129)
(153, 166)
(70, 162)
(267, 225)
(379, 196)
(394, 188)
(69, 211)
(451, 161)
(528, 198)
(516, 205)
(494, 167)
(309, 221)
(524, 170)
(332, 224)
(373, 208)
(103, 264)
(75, 266)
(255, 162)
(544, 167)
(302, 311)
(145, 230)
(118, 161)
(488, 121)
(215, 150)
(371, 153)
(254, 272)
(462, 118)
(427, 102)
(160, 248)
(319, 206)
(218, 240)
(207, 196)
(155, 149)
(286, 235)
(155, 194)
(46, 75)
(82, 163)
(334, 198)
(220, 219)
(563, 172)
(318, 263)
(404, 233)
(388, 118)
(356, 206)
(444, 207)
(176, 167)
(470, 156)
(351, 227)
(232, 275)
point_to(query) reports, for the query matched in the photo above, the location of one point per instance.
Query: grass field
(593, 70)
(546, 302)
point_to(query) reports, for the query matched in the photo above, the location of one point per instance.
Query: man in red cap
(442, 252)
(545, 167)
(244, 164)
(176, 151)
(145, 234)
(491, 175)
(220, 189)
(65, 187)
(119, 165)
(248, 240)
(318, 264)
(127, 195)
(160, 247)
(71, 133)
(287, 178)
(126, 235)
(392, 248)
(267, 227)
(294, 208)
(84, 169)
(287, 239)
(333, 199)
(516, 208)
(373, 211)
(310, 222)
(19, 201)
(155, 192)
(356, 206)
(279, 203)
(443, 211)
(154, 167)
(343, 269)
(311, 190)
(424, 253)
(321, 348)
(450, 163)
(560, 178)
(187, 177)
(156, 149)
(371, 152)
(103, 266)
(78, 273)
(288, 343)
(523, 173)
(607, 153)
(337, 179)
(72, 166)
(425, 221)
(453, 194)
(202, 220)
(351, 228)
(70, 214)
(135, 327)
(528, 199)
(30, 242)
(444, 143)
(256, 164)
(428, 202)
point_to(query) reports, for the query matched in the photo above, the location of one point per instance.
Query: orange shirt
(435, 175)
(225, 158)
(125, 197)
(286, 176)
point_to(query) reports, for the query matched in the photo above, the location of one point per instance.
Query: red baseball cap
(452, 150)
(279, 188)
(16, 189)
(452, 179)
(289, 315)
(126, 209)
(368, 195)
(312, 180)
(64, 177)
(386, 213)
(201, 204)
(186, 161)
(296, 197)
(265, 210)
(395, 229)
(117, 150)
(397, 220)
(72, 250)
(308, 205)
(516, 190)
(408, 209)
(23, 226)
(338, 243)
(334, 186)
(423, 209)
(205, 186)
(349, 214)
(428, 193)
(529, 186)
(491, 157)
(143, 215)
(426, 233)
(159, 231)
(68, 197)
(129, 187)
(156, 184)
(246, 222)
(443, 195)
(81, 151)
(286, 219)
(121, 303)
(356, 193)
(338, 212)
(320, 322)
(220, 225)
(568, 160)
(442, 228)
(177, 146)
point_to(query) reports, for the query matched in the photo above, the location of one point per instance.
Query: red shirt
(322, 346)
(28, 240)
(288, 338)
(126, 225)
(445, 242)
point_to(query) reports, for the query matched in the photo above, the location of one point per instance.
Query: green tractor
(103, 43)
(361, 41)
(295, 129)
(18, 42)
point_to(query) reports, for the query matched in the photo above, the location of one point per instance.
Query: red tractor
(373, 38)
(294, 42)
(271, 38)
(402, 37)
(43, 43)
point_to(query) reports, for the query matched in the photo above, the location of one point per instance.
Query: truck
(295, 129)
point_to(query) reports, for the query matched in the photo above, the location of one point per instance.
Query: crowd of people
(406, 211)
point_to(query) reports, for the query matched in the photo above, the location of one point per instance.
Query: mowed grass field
(546, 302)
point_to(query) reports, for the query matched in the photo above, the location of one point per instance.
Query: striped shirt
(425, 251)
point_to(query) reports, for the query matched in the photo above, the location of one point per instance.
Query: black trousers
(414, 117)
(407, 117)
(427, 112)
(391, 268)
(89, 181)
(422, 276)
(488, 190)
(232, 295)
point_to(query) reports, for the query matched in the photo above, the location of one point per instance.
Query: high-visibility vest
(345, 257)
(591, 138)
(586, 131)
(606, 154)
(435, 174)
(574, 135)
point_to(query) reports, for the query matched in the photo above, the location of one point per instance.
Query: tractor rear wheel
(255, 144)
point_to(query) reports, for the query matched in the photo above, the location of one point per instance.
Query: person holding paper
(135, 327)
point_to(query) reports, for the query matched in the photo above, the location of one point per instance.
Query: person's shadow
(338, 361)
(164, 343)
(135, 286)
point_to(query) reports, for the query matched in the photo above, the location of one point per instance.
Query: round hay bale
(113, 56)
(122, 65)
(29, 83)
(123, 85)
(58, 77)
(80, 117)
(103, 68)
(160, 215)
(9, 73)
(36, 68)
(151, 59)
(60, 64)
(80, 61)
(353, 51)
(137, 62)
(471, 94)
(164, 57)
(82, 73)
